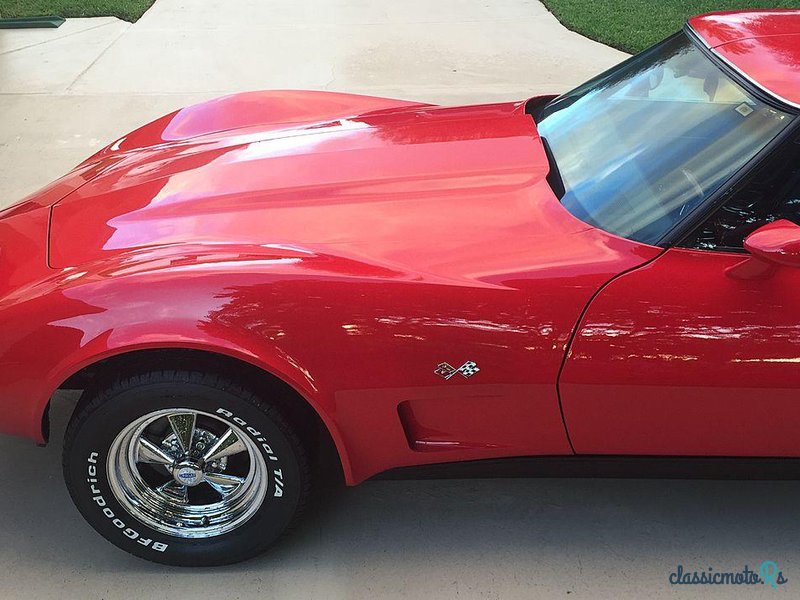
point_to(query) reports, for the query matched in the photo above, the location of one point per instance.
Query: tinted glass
(770, 194)
(641, 146)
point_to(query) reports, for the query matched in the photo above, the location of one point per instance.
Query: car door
(689, 355)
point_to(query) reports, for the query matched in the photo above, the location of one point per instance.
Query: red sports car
(245, 283)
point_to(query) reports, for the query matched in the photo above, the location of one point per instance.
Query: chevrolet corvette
(244, 283)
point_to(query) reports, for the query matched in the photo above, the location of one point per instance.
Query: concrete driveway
(66, 92)
(491, 539)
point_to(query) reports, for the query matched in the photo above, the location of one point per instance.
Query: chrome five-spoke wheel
(186, 467)
(187, 473)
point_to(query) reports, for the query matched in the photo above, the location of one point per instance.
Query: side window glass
(771, 193)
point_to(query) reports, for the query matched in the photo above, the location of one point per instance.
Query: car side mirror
(770, 246)
(777, 242)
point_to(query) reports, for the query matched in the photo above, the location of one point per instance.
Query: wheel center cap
(188, 474)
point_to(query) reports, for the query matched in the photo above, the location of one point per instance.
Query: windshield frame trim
(739, 75)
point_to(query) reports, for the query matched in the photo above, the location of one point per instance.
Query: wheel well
(312, 431)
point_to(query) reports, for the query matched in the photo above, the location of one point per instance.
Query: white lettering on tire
(98, 498)
(277, 473)
(252, 431)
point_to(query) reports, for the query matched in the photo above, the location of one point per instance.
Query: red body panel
(681, 358)
(349, 245)
(763, 45)
(348, 256)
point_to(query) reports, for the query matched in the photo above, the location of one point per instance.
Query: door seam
(576, 328)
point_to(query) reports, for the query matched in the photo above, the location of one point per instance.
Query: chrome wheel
(187, 473)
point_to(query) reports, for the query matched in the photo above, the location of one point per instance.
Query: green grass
(633, 25)
(128, 10)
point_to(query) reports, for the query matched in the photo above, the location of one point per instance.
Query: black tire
(106, 412)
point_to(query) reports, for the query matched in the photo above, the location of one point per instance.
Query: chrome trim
(713, 49)
(193, 450)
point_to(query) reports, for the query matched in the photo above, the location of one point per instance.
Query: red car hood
(377, 180)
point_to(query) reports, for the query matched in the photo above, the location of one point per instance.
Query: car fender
(76, 317)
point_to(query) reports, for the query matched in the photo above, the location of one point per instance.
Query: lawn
(129, 10)
(633, 25)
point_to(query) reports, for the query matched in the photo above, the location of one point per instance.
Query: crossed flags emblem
(446, 370)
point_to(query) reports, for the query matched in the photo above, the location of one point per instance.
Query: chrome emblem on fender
(446, 370)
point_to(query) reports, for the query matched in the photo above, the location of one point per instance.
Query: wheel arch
(315, 427)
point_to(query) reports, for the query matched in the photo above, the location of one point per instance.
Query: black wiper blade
(554, 175)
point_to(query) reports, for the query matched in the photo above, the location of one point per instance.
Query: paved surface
(506, 539)
(65, 92)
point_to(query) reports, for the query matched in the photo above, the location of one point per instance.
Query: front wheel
(185, 468)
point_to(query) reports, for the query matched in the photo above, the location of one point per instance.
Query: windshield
(642, 145)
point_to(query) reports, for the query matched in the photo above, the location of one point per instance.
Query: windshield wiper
(554, 175)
